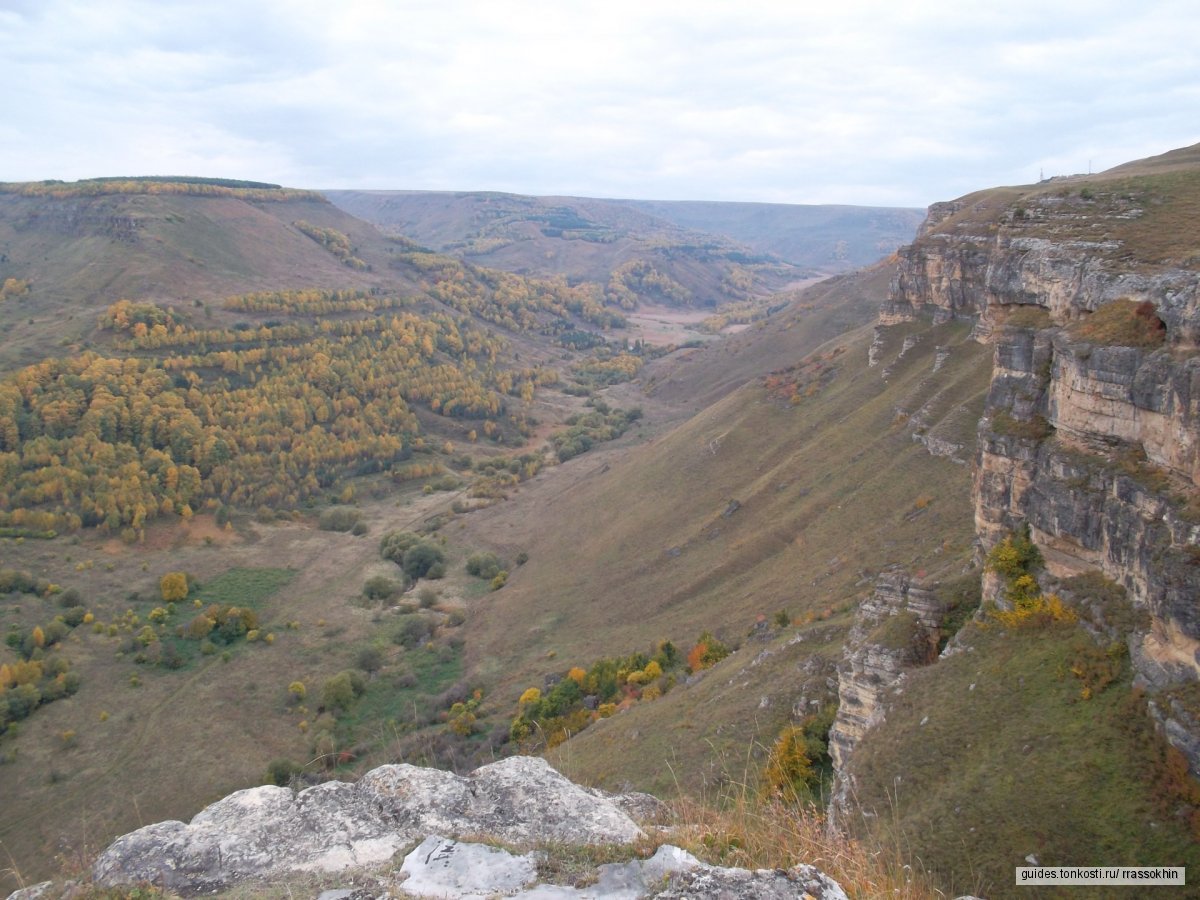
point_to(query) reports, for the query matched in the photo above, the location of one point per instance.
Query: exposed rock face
(976, 271)
(898, 628)
(266, 830)
(1095, 448)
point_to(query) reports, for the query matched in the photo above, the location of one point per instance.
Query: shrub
(173, 586)
(1035, 611)
(420, 558)
(340, 691)
(707, 652)
(395, 543)
(70, 598)
(499, 581)
(280, 772)
(369, 659)
(338, 518)
(1014, 556)
(380, 587)
(789, 773)
(484, 565)
(427, 597)
(413, 631)
(1015, 559)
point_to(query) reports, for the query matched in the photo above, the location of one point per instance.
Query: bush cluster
(416, 557)
(582, 696)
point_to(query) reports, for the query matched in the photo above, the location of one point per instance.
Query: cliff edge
(1088, 290)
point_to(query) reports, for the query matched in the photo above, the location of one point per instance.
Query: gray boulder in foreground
(337, 825)
(268, 832)
(443, 868)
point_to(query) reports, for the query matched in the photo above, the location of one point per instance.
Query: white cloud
(852, 102)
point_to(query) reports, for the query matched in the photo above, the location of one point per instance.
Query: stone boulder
(267, 831)
(442, 868)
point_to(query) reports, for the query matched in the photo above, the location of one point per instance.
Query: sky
(841, 101)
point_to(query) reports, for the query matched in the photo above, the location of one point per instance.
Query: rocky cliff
(896, 629)
(1089, 293)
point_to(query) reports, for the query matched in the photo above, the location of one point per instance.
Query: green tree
(340, 691)
(420, 558)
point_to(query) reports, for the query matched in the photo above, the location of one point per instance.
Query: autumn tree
(173, 587)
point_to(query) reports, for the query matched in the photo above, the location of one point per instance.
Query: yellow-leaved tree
(174, 586)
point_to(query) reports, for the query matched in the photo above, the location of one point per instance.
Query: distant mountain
(582, 237)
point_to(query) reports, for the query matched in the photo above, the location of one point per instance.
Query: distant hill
(829, 238)
(706, 254)
(609, 242)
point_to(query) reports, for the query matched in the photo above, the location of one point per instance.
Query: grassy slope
(1146, 210)
(698, 377)
(83, 254)
(827, 492)
(184, 738)
(993, 755)
(509, 231)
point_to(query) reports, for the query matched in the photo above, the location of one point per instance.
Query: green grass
(994, 754)
(400, 700)
(244, 586)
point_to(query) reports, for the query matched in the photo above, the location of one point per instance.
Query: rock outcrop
(895, 630)
(440, 867)
(1093, 445)
(266, 830)
(270, 833)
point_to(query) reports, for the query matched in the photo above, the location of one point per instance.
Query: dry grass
(743, 830)
(1124, 323)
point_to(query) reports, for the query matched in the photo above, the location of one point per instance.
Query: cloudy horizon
(865, 103)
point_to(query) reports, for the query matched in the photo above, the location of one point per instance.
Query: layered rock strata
(1096, 448)
(895, 630)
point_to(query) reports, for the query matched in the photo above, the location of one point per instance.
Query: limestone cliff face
(1095, 447)
(977, 257)
(896, 629)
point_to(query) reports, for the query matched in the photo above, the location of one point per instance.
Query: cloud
(854, 102)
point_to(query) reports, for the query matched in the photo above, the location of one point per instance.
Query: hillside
(308, 378)
(701, 254)
(829, 238)
(916, 544)
(638, 259)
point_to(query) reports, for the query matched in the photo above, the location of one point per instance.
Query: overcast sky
(897, 103)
